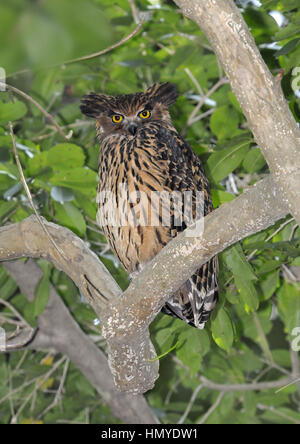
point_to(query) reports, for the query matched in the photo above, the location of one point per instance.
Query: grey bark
(58, 330)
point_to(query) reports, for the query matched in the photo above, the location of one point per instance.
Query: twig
(18, 389)
(212, 408)
(253, 253)
(171, 391)
(59, 391)
(248, 387)
(39, 384)
(192, 118)
(294, 381)
(295, 363)
(90, 56)
(263, 340)
(284, 224)
(80, 123)
(278, 412)
(14, 311)
(43, 111)
(204, 115)
(195, 81)
(27, 191)
(134, 11)
(110, 48)
(190, 404)
(11, 401)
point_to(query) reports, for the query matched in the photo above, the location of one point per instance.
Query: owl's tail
(195, 301)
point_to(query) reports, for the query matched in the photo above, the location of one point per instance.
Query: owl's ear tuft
(164, 93)
(92, 104)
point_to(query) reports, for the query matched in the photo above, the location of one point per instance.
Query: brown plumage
(142, 154)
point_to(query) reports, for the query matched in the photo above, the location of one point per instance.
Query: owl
(146, 170)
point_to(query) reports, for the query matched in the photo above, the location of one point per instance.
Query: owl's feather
(154, 159)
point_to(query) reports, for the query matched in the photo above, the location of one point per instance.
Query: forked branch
(125, 320)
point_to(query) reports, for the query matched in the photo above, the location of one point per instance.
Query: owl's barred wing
(195, 301)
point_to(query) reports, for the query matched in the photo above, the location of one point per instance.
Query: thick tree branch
(57, 329)
(258, 92)
(125, 319)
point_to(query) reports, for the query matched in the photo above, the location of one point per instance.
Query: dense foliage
(249, 336)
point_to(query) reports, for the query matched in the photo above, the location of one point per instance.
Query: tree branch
(125, 319)
(39, 107)
(258, 92)
(57, 329)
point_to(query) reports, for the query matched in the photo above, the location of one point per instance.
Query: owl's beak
(132, 128)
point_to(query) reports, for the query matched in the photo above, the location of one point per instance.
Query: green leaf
(8, 289)
(81, 179)
(235, 259)
(254, 161)
(62, 194)
(243, 276)
(7, 207)
(87, 205)
(281, 415)
(234, 101)
(219, 197)
(181, 56)
(269, 285)
(10, 170)
(289, 306)
(194, 346)
(37, 164)
(167, 334)
(69, 216)
(288, 31)
(247, 293)
(224, 122)
(282, 6)
(223, 162)
(221, 328)
(42, 293)
(250, 329)
(12, 111)
(290, 46)
(65, 156)
(262, 25)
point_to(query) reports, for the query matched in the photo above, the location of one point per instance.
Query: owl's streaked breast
(131, 168)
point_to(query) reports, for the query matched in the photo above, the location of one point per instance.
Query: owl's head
(125, 114)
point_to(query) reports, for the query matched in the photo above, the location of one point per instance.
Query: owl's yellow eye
(145, 114)
(117, 118)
